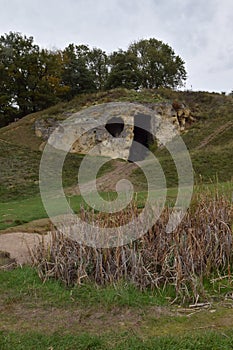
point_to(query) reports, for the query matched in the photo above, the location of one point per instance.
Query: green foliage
(15, 51)
(30, 77)
(158, 64)
(146, 64)
(98, 66)
(33, 79)
(124, 71)
(76, 73)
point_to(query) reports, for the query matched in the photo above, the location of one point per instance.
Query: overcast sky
(200, 31)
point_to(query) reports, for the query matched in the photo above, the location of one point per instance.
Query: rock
(110, 129)
(45, 127)
(6, 262)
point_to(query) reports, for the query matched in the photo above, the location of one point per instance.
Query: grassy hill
(209, 141)
(51, 315)
(22, 132)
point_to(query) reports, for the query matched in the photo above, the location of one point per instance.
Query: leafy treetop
(33, 79)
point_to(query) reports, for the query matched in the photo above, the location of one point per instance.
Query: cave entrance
(142, 137)
(115, 126)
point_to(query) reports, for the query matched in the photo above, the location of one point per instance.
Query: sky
(199, 31)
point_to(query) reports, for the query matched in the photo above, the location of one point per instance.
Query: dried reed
(199, 247)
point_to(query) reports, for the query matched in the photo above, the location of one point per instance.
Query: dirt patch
(19, 245)
(108, 181)
(77, 319)
(146, 322)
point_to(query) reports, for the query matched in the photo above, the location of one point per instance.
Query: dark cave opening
(142, 137)
(115, 126)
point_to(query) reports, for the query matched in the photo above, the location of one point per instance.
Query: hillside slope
(209, 140)
(22, 132)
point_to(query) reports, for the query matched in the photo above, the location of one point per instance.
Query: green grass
(36, 315)
(23, 284)
(37, 341)
(210, 163)
(168, 167)
(19, 212)
(22, 211)
(20, 171)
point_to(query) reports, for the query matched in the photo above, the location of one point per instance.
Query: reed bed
(199, 248)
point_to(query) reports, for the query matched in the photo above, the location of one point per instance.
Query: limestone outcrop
(177, 113)
(115, 129)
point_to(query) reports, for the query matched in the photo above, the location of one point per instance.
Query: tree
(16, 52)
(30, 77)
(33, 79)
(48, 85)
(98, 66)
(76, 74)
(158, 64)
(124, 71)
(7, 110)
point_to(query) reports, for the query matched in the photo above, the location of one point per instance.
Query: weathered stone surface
(176, 113)
(184, 115)
(45, 127)
(88, 129)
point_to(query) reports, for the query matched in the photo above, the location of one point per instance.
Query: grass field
(22, 212)
(51, 316)
(120, 341)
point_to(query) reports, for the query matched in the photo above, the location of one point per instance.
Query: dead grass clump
(199, 247)
(6, 262)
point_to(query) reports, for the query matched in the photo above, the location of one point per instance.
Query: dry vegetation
(200, 247)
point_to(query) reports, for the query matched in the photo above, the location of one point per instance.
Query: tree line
(32, 78)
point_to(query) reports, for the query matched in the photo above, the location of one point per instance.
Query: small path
(212, 136)
(2, 140)
(108, 181)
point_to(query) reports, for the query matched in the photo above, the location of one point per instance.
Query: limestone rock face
(114, 129)
(184, 115)
(45, 127)
(177, 113)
